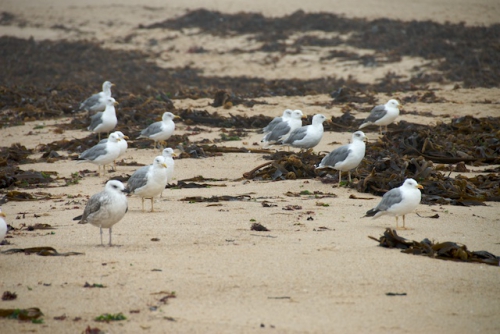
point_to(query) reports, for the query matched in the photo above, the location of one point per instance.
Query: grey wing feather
(151, 130)
(90, 102)
(272, 124)
(94, 152)
(297, 134)
(335, 156)
(279, 131)
(95, 120)
(138, 179)
(93, 206)
(390, 198)
(377, 113)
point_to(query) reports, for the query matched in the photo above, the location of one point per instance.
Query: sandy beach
(196, 267)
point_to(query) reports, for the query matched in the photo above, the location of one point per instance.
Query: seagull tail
(80, 219)
(371, 213)
(364, 125)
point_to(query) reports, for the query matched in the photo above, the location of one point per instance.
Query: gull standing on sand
(106, 208)
(97, 102)
(149, 181)
(398, 201)
(3, 225)
(346, 157)
(103, 153)
(160, 131)
(169, 155)
(122, 144)
(382, 115)
(286, 115)
(308, 136)
(282, 130)
(104, 121)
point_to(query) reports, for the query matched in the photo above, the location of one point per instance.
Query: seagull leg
(100, 228)
(349, 173)
(340, 177)
(142, 198)
(152, 207)
(404, 227)
(110, 237)
(397, 222)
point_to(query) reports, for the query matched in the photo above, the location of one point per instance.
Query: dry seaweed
(443, 250)
(42, 251)
(7, 295)
(28, 314)
(258, 227)
(410, 150)
(199, 199)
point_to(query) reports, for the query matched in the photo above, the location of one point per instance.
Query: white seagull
(3, 225)
(97, 102)
(286, 115)
(346, 157)
(106, 208)
(282, 130)
(104, 121)
(398, 201)
(382, 115)
(169, 155)
(103, 153)
(308, 136)
(122, 144)
(160, 131)
(149, 181)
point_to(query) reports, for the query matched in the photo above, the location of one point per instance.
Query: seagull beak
(164, 165)
(177, 117)
(126, 191)
(118, 139)
(116, 102)
(304, 117)
(112, 84)
(125, 137)
(419, 186)
(2, 214)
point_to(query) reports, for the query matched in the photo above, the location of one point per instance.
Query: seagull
(398, 201)
(286, 115)
(169, 155)
(122, 144)
(160, 131)
(3, 225)
(104, 121)
(282, 130)
(382, 115)
(149, 181)
(308, 136)
(346, 157)
(106, 208)
(97, 102)
(103, 153)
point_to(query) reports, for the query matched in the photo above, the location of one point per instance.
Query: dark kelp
(443, 250)
(42, 251)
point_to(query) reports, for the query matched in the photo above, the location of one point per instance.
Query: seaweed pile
(468, 54)
(415, 151)
(448, 250)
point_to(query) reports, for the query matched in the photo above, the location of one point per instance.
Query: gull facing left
(106, 208)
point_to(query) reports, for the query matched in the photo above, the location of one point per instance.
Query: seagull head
(318, 119)
(160, 162)
(411, 183)
(393, 103)
(358, 135)
(287, 113)
(168, 153)
(115, 185)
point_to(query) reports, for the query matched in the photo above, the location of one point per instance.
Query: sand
(315, 271)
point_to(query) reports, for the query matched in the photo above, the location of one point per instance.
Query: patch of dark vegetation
(468, 54)
(448, 250)
(410, 150)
